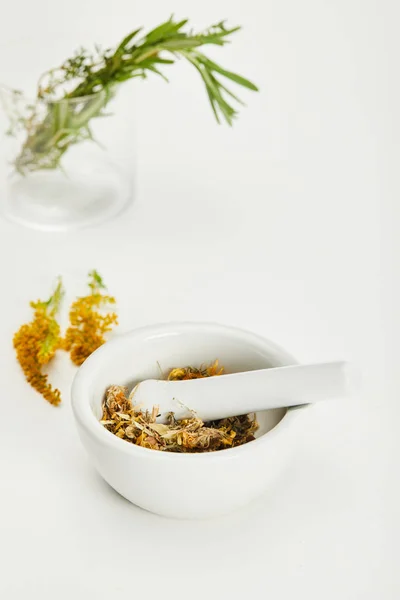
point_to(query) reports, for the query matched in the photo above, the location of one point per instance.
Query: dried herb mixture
(122, 418)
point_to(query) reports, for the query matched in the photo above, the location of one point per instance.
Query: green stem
(62, 123)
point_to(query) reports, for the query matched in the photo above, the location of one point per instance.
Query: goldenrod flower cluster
(88, 325)
(37, 342)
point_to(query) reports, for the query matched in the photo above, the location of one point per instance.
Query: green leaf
(155, 70)
(163, 61)
(165, 30)
(212, 102)
(126, 40)
(228, 74)
(231, 94)
(95, 280)
(60, 112)
(181, 43)
(214, 95)
(120, 77)
(152, 60)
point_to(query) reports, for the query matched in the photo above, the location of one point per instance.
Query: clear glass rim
(6, 89)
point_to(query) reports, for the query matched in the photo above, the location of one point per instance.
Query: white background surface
(285, 225)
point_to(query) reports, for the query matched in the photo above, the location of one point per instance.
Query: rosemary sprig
(82, 87)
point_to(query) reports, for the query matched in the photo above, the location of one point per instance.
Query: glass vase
(59, 171)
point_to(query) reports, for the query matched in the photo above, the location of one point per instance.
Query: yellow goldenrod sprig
(87, 323)
(37, 342)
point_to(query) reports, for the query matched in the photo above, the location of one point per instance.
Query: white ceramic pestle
(240, 393)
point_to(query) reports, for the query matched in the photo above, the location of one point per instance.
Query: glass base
(58, 201)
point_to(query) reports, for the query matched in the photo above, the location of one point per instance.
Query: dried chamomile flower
(88, 321)
(193, 373)
(127, 422)
(37, 342)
